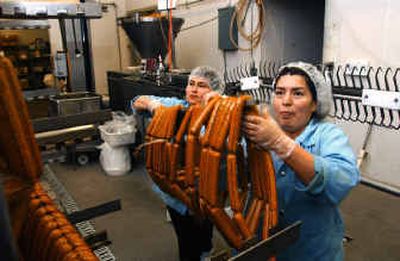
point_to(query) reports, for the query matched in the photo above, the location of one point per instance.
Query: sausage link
(184, 125)
(273, 197)
(213, 177)
(232, 184)
(254, 220)
(224, 224)
(251, 210)
(203, 117)
(241, 223)
(219, 128)
(203, 177)
(266, 222)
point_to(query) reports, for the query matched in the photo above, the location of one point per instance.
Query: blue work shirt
(317, 204)
(166, 198)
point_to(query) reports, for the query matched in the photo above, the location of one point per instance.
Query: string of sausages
(17, 140)
(41, 230)
(188, 163)
(48, 235)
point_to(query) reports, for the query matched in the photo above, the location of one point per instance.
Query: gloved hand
(208, 96)
(265, 132)
(145, 103)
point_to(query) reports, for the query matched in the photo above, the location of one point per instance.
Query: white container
(115, 161)
(115, 137)
(120, 131)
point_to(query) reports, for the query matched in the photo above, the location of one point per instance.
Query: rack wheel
(82, 159)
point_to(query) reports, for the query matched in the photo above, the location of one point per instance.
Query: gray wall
(367, 32)
(294, 30)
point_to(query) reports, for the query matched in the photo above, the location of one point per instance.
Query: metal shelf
(44, 10)
(23, 24)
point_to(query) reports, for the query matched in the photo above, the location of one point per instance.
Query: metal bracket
(89, 213)
(267, 248)
(270, 246)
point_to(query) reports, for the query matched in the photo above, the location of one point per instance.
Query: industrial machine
(149, 34)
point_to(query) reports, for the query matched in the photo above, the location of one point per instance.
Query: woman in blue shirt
(193, 233)
(315, 166)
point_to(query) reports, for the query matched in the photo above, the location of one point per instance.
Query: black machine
(149, 36)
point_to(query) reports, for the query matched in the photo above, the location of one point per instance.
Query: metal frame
(62, 122)
(44, 10)
(69, 205)
(75, 32)
(32, 94)
(347, 82)
(270, 246)
(267, 248)
(23, 24)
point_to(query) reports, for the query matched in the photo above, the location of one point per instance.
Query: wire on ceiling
(199, 24)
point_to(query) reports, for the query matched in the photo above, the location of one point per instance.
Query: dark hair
(297, 71)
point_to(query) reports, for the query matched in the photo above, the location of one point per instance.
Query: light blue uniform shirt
(316, 205)
(167, 199)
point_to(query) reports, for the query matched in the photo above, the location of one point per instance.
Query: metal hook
(352, 76)
(337, 76)
(237, 74)
(275, 70)
(346, 69)
(269, 71)
(346, 113)
(377, 77)
(241, 73)
(386, 79)
(395, 80)
(387, 87)
(229, 77)
(378, 85)
(365, 111)
(369, 77)
(261, 70)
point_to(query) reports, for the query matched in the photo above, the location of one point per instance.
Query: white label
(384, 99)
(249, 83)
(166, 4)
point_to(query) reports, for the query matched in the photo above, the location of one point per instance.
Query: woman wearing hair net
(194, 235)
(315, 166)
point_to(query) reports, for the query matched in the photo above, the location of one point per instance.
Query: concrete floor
(140, 231)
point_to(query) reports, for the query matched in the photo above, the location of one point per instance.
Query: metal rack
(86, 228)
(45, 10)
(267, 248)
(75, 32)
(350, 89)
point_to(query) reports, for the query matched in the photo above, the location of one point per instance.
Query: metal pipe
(379, 186)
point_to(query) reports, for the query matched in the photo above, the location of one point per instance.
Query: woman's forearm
(302, 163)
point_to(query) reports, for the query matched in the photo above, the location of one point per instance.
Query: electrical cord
(199, 24)
(239, 15)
